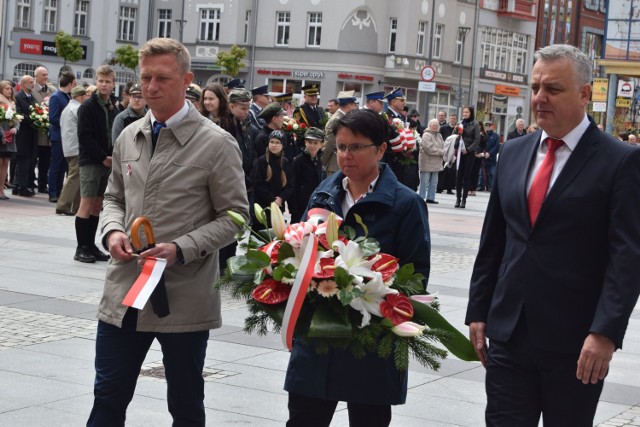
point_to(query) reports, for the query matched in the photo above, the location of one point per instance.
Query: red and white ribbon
(146, 282)
(299, 288)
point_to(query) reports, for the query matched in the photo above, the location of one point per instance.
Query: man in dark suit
(26, 139)
(518, 131)
(557, 274)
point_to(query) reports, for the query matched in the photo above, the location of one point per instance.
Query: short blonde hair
(165, 46)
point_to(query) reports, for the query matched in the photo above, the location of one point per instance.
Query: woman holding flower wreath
(396, 217)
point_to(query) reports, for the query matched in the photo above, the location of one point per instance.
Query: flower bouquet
(403, 143)
(39, 115)
(294, 128)
(332, 289)
(9, 116)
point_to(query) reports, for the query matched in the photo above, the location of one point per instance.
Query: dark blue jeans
(57, 169)
(120, 353)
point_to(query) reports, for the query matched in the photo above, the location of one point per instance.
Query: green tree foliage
(231, 61)
(68, 47)
(127, 57)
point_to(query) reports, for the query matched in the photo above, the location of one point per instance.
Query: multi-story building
(504, 49)
(360, 45)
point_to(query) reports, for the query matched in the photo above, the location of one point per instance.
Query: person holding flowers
(369, 197)
(9, 126)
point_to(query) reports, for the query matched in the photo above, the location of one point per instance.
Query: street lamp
(180, 23)
(462, 35)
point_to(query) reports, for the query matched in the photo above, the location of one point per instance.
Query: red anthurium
(397, 308)
(386, 264)
(271, 291)
(328, 268)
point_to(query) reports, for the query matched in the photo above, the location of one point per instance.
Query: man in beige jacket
(180, 171)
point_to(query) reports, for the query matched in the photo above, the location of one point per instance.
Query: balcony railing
(521, 9)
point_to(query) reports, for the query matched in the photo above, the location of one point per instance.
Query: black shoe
(449, 192)
(43, 190)
(463, 203)
(8, 186)
(66, 213)
(98, 254)
(83, 254)
(439, 191)
(25, 192)
(457, 205)
(431, 201)
(14, 191)
(53, 199)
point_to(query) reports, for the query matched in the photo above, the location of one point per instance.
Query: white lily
(374, 292)
(425, 299)
(352, 259)
(408, 329)
(332, 228)
(277, 221)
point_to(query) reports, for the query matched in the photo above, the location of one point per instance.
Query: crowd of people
(173, 152)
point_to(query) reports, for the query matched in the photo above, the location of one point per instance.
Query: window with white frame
(80, 16)
(459, 42)
(393, 32)
(283, 24)
(127, 24)
(247, 26)
(164, 22)
(438, 31)
(23, 14)
(314, 29)
(88, 74)
(422, 33)
(124, 77)
(503, 50)
(22, 69)
(210, 25)
(49, 16)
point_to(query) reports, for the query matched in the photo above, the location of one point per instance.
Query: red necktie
(540, 184)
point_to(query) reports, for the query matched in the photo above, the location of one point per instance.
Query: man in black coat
(557, 274)
(95, 120)
(518, 131)
(26, 138)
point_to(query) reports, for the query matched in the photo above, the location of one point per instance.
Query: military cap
(284, 97)
(311, 89)
(235, 84)
(136, 88)
(314, 133)
(78, 91)
(260, 90)
(194, 92)
(375, 95)
(270, 111)
(396, 92)
(346, 97)
(239, 95)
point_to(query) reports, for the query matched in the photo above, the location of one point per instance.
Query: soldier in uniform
(310, 112)
(346, 103)
(260, 99)
(373, 101)
(396, 101)
(285, 100)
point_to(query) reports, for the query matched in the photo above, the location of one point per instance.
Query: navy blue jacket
(398, 219)
(57, 102)
(493, 146)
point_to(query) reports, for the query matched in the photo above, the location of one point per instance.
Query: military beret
(270, 111)
(239, 95)
(78, 91)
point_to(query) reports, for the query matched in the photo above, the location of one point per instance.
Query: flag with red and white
(144, 285)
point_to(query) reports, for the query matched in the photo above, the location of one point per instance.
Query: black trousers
(523, 382)
(307, 411)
